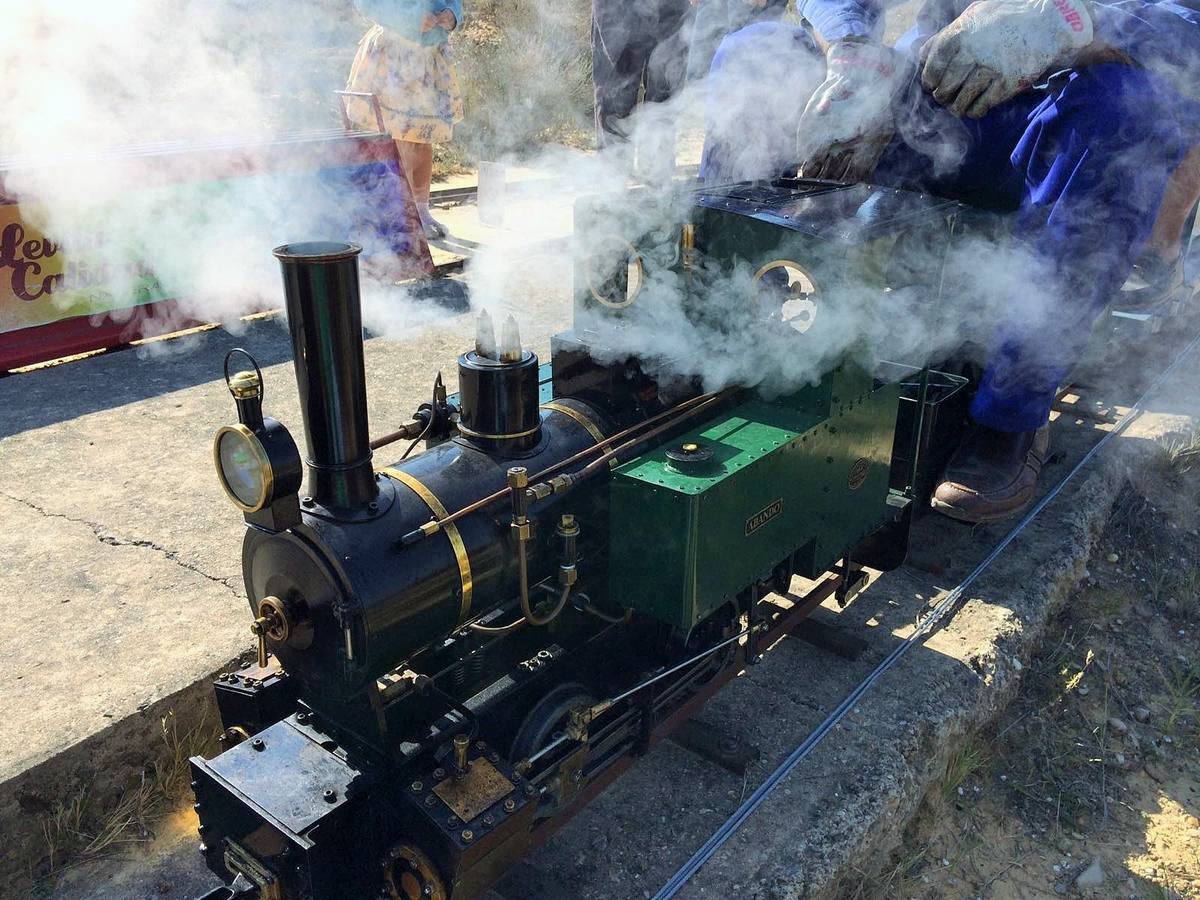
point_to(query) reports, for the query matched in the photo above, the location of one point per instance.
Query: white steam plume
(116, 122)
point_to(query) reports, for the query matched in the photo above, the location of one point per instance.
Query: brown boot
(993, 475)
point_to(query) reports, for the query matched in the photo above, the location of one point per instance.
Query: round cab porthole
(786, 292)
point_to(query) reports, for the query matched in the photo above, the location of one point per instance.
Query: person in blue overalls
(1068, 114)
(638, 47)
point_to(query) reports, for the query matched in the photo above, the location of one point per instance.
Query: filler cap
(690, 458)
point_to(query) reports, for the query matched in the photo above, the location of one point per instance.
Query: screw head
(430, 800)
(439, 773)
(330, 795)
(480, 745)
(468, 835)
(259, 744)
(529, 789)
(417, 787)
(452, 821)
(489, 821)
(306, 501)
(510, 805)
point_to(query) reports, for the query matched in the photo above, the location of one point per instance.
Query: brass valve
(461, 743)
(272, 622)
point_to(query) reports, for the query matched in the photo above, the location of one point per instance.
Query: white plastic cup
(492, 187)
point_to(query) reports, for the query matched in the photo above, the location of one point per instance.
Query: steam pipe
(320, 283)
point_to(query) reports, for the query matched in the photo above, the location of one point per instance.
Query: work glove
(848, 122)
(998, 48)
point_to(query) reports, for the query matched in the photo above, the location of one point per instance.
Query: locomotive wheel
(548, 717)
(410, 874)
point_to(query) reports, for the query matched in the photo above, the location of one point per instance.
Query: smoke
(719, 322)
(916, 298)
(185, 80)
(138, 137)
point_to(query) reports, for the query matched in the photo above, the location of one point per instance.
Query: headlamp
(257, 461)
(243, 467)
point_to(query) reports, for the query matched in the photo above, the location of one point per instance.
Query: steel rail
(923, 629)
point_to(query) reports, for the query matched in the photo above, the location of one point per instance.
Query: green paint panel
(804, 475)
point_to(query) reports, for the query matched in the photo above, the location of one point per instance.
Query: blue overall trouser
(1081, 166)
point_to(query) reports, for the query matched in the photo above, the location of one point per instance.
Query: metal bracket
(716, 745)
(566, 785)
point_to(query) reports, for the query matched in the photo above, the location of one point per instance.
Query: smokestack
(320, 282)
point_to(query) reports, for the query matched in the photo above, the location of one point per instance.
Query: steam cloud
(84, 78)
(104, 107)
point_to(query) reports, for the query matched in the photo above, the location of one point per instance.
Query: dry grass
(966, 761)
(82, 827)
(1059, 782)
(1181, 683)
(1182, 453)
(525, 72)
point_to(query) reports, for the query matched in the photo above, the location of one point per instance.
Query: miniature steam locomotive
(459, 650)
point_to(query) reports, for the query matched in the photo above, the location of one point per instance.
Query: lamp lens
(241, 468)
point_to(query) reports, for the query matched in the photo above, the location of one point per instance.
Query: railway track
(945, 608)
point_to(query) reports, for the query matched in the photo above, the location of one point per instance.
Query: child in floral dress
(404, 60)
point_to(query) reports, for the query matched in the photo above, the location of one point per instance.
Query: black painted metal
(394, 601)
(498, 402)
(320, 281)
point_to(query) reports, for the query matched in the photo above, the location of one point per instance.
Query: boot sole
(953, 512)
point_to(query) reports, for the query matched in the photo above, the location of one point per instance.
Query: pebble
(1060, 888)
(1112, 557)
(1120, 758)
(1057, 869)
(1092, 876)
(1117, 725)
(1141, 714)
(1154, 772)
(1083, 690)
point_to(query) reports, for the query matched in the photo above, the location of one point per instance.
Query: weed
(1182, 452)
(964, 762)
(76, 829)
(1182, 684)
(63, 828)
(894, 882)
(172, 776)
(1185, 592)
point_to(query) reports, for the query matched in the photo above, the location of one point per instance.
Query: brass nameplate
(762, 517)
(482, 787)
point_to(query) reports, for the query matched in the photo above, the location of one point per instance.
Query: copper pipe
(683, 410)
(406, 433)
(599, 461)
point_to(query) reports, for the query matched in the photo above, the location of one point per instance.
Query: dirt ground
(1089, 783)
